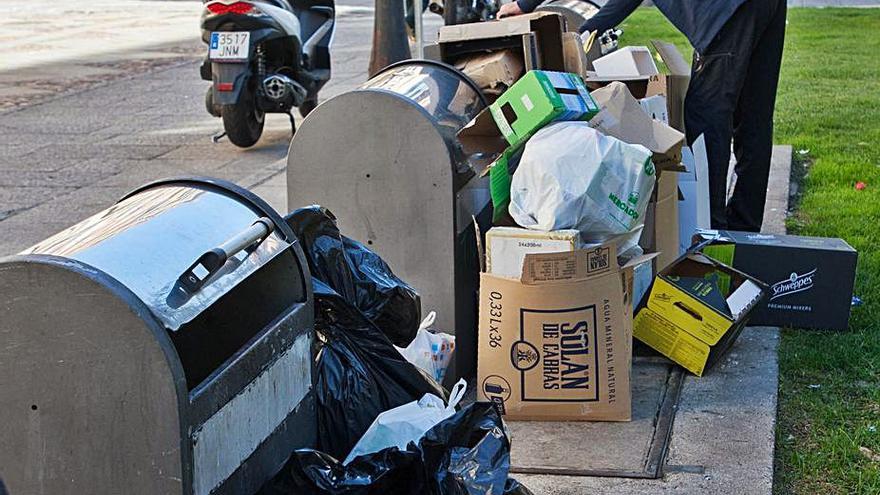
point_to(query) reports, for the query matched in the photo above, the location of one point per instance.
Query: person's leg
(717, 78)
(753, 127)
(708, 111)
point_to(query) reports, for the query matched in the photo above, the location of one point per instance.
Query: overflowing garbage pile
(596, 203)
(384, 424)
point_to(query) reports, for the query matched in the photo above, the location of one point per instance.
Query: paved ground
(85, 123)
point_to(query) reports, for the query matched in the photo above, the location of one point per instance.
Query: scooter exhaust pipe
(436, 6)
(283, 90)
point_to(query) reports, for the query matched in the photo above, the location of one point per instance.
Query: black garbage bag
(357, 274)
(359, 373)
(466, 454)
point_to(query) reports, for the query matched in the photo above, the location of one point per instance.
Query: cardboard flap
(593, 77)
(626, 61)
(574, 54)
(573, 265)
(709, 235)
(623, 118)
(481, 135)
(638, 260)
(509, 26)
(675, 62)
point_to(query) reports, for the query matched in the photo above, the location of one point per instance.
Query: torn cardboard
(695, 310)
(493, 72)
(555, 343)
(622, 117)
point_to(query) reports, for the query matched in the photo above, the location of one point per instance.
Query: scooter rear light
(232, 8)
(225, 86)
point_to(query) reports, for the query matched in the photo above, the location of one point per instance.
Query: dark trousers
(731, 95)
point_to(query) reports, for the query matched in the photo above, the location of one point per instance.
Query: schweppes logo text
(793, 284)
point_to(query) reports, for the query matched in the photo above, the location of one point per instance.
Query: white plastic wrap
(571, 176)
(407, 423)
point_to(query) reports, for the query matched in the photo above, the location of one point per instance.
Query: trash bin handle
(199, 273)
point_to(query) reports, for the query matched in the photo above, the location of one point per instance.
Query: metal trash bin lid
(150, 237)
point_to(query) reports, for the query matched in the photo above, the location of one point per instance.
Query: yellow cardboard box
(695, 310)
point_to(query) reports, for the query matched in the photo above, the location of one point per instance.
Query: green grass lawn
(828, 108)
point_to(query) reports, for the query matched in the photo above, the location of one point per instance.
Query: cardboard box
(500, 180)
(695, 310)
(811, 278)
(693, 183)
(536, 37)
(574, 54)
(493, 72)
(674, 84)
(623, 118)
(555, 343)
(655, 107)
(661, 232)
(643, 275)
(507, 247)
(537, 99)
(629, 61)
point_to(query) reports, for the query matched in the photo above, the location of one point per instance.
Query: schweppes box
(811, 278)
(695, 310)
(556, 342)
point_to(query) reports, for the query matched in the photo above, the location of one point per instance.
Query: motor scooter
(264, 56)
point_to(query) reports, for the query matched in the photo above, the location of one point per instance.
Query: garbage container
(385, 160)
(160, 346)
(575, 12)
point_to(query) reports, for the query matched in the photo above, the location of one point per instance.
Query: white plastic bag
(431, 352)
(571, 176)
(407, 423)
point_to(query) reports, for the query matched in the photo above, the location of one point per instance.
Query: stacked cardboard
(556, 316)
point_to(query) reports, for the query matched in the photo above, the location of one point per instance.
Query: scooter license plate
(229, 46)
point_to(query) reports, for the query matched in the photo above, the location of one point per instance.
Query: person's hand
(509, 10)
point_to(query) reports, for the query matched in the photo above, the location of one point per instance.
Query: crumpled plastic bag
(571, 176)
(359, 373)
(407, 423)
(357, 274)
(430, 351)
(466, 454)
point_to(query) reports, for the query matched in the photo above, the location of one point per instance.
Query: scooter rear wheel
(243, 121)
